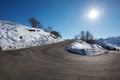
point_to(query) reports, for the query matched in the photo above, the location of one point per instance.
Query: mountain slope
(16, 36)
(111, 42)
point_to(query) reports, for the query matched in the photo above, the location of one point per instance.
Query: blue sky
(66, 16)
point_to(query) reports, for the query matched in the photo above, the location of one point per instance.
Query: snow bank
(15, 36)
(83, 48)
(111, 43)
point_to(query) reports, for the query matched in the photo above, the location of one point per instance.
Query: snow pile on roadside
(111, 43)
(15, 36)
(83, 48)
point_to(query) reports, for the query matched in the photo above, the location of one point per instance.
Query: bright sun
(93, 14)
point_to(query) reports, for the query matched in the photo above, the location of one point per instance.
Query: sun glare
(93, 14)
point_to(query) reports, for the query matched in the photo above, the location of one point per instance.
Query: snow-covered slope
(112, 43)
(16, 36)
(84, 48)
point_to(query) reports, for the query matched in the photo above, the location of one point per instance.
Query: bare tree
(49, 29)
(35, 23)
(89, 36)
(82, 35)
(77, 37)
(85, 36)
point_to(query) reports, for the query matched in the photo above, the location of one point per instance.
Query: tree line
(85, 36)
(37, 24)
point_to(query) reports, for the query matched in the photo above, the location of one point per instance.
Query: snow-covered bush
(56, 34)
(83, 48)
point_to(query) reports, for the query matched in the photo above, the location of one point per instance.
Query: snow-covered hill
(83, 48)
(112, 43)
(16, 36)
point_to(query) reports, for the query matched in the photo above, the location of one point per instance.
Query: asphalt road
(53, 62)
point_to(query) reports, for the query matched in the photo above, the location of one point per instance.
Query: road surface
(53, 62)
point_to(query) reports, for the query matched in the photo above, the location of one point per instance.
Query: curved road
(53, 62)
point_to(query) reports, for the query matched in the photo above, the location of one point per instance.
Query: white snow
(15, 36)
(111, 42)
(83, 48)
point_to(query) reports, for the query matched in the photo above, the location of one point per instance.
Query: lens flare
(93, 14)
